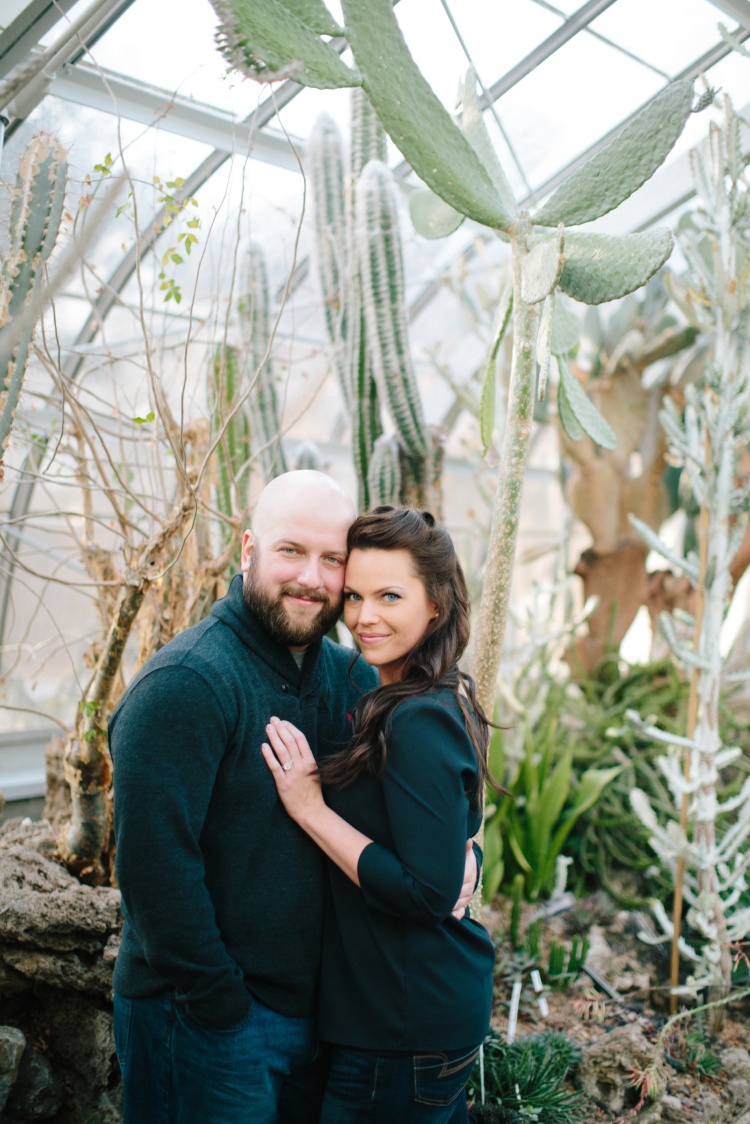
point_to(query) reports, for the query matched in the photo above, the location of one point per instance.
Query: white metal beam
(737, 9)
(159, 108)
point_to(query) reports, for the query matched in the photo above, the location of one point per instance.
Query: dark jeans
(265, 1070)
(424, 1088)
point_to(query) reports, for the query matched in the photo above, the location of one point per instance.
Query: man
(215, 982)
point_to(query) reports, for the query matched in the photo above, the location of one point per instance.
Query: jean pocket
(440, 1077)
(123, 1012)
(224, 1031)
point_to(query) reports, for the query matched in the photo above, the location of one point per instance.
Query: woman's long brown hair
(432, 663)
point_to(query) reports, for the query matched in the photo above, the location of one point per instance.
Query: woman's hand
(294, 769)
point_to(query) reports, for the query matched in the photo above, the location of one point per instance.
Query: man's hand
(470, 881)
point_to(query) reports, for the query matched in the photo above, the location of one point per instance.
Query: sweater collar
(233, 611)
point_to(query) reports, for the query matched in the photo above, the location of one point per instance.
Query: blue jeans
(265, 1070)
(426, 1088)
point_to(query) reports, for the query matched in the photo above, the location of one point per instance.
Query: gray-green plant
(36, 211)
(230, 423)
(360, 267)
(709, 836)
(460, 166)
(525, 1081)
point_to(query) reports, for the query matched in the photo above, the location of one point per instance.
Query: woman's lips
(370, 638)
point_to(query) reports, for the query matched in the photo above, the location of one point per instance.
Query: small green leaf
(415, 118)
(542, 267)
(148, 418)
(432, 216)
(586, 413)
(177, 258)
(568, 419)
(600, 267)
(624, 165)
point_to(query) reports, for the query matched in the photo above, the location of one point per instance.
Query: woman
(406, 987)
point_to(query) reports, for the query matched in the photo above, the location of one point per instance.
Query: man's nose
(310, 574)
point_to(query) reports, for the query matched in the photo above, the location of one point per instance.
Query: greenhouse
(284, 292)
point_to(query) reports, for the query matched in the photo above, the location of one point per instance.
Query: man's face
(294, 575)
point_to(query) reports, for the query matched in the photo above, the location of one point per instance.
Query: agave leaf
(566, 328)
(601, 267)
(415, 118)
(489, 387)
(542, 267)
(625, 164)
(472, 123)
(544, 343)
(432, 216)
(586, 413)
(262, 38)
(492, 866)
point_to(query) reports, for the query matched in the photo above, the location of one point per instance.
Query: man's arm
(167, 742)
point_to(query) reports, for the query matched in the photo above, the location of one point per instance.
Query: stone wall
(58, 943)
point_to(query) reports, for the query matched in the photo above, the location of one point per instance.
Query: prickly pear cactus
(35, 216)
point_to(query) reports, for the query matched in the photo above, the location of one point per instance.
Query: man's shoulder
(345, 663)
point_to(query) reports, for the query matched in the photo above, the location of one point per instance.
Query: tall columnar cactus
(709, 439)
(255, 321)
(230, 422)
(35, 215)
(458, 163)
(384, 477)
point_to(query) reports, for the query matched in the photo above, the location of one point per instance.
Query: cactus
(458, 163)
(231, 423)
(36, 212)
(384, 473)
(255, 321)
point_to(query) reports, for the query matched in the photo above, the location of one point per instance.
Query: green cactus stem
(255, 321)
(230, 422)
(379, 249)
(384, 475)
(36, 212)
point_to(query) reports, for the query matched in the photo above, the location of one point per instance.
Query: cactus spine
(36, 211)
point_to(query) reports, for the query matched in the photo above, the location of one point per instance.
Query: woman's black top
(399, 972)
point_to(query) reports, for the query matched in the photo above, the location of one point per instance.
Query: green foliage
(564, 965)
(578, 414)
(36, 209)
(603, 267)
(526, 1080)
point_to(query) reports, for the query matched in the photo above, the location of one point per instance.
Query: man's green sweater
(222, 892)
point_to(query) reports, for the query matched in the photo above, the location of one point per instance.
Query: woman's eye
(351, 597)
(391, 597)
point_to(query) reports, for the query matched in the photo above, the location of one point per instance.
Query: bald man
(215, 981)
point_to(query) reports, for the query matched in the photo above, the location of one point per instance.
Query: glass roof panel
(496, 43)
(669, 34)
(570, 100)
(75, 11)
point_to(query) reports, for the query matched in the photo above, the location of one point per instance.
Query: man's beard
(272, 613)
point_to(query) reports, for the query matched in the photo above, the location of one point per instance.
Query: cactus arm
(542, 267)
(36, 212)
(264, 39)
(493, 613)
(366, 424)
(325, 156)
(600, 267)
(315, 15)
(384, 472)
(432, 216)
(472, 123)
(230, 420)
(369, 140)
(379, 254)
(624, 165)
(265, 419)
(414, 117)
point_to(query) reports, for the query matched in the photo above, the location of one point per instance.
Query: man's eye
(335, 561)
(288, 550)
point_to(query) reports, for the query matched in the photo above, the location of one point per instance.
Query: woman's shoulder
(439, 704)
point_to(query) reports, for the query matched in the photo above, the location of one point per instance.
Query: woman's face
(386, 608)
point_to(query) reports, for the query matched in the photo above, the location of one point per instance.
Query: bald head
(294, 556)
(294, 495)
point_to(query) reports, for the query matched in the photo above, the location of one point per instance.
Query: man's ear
(248, 542)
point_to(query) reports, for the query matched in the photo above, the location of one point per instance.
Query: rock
(37, 1094)
(672, 1110)
(735, 1061)
(711, 1110)
(83, 1037)
(633, 981)
(604, 1072)
(738, 1090)
(600, 954)
(12, 1045)
(66, 970)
